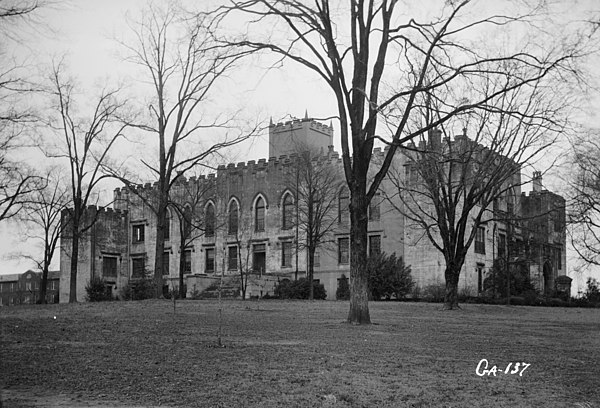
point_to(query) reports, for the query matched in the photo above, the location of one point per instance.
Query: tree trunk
(451, 274)
(311, 273)
(181, 271)
(74, 258)
(43, 284)
(359, 289)
(159, 250)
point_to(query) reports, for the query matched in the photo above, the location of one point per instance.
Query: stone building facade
(256, 197)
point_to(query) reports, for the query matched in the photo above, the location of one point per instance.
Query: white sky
(85, 30)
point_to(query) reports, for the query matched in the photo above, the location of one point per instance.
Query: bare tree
(449, 186)
(584, 212)
(42, 215)
(196, 216)
(316, 182)
(84, 143)
(183, 67)
(378, 61)
(16, 179)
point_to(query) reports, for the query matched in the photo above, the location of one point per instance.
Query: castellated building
(244, 212)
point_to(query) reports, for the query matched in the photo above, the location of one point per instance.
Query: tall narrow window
(232, 258)
(209, 220)
(480, 240)
(138, 233)
(374, 245)
(501, 246)
(166, 262)
(343, 250)
(187, 221)
(187, 267)
(286, 254)
(232, 228)
(259, 216)
(138, 267)
(343, 207)
(210, 260)
(374, 212)
(480, 277)
(109, 266)
(288, 212)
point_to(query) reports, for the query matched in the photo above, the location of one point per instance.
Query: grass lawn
(297, 354)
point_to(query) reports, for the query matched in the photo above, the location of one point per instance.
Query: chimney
(537, 181)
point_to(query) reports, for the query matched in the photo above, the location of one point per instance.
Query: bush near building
(388, 277)
(287, 289)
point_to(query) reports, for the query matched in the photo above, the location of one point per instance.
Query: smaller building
(24, 288)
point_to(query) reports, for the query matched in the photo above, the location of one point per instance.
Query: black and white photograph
(299, 203)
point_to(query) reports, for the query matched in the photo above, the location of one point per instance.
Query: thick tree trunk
(311, 273)
(452, 275)
(74, 259)
(359, 280)
(43, 284)
(159, 249)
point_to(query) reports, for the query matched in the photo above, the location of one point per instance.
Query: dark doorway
(547, 278)
(259, 258)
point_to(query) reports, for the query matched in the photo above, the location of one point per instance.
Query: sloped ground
(296, 354)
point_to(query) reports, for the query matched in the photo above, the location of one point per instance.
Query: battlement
(299, 124)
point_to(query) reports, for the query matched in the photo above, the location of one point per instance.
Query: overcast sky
(86, 32)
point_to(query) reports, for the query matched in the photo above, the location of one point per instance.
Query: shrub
(388, 277)
(299, 289)
(343, 289)
(520, 283)
(139, 289)
(435, 292)
(592, 292)
(96, 290)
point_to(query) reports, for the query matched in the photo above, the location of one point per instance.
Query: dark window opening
(138, 233)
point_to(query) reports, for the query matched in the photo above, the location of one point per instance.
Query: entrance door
(547, 278)
(259, 258)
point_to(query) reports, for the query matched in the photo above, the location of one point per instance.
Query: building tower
(298, 134)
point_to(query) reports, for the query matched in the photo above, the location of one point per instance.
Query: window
(233, 218)
(259, 258)
(259, 216)
(343, 207)
(559, 258)
(187, 261)
(501, 246)
(138, 233)
(288, 212)
(480, 240)
(317, 260)
(374, 245)
(374, 212)
(109, 266)
(209, 220)
(187, 221)
(210, 260)
(480, 277)
(343, 250)
(138, 266)
(167, 226)
(286, 254)
(166, 263)
(232, 258)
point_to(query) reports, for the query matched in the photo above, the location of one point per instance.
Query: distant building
(24, 288)
(246, 205)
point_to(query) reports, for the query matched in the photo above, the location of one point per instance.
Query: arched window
(259, 215)
(287, 209)
(343, 207)
(209, 220)
(234, 217)
(187, 221)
